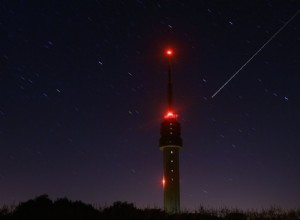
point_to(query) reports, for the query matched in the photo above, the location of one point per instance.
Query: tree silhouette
(42, 208)
(38, 208)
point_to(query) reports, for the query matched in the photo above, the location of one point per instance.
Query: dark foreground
(43, 208)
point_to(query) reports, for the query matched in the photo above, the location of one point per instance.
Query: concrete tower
(170, 143)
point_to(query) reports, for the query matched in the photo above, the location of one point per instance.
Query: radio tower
(170, 143)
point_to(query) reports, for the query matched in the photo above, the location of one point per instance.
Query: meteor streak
(274, 35)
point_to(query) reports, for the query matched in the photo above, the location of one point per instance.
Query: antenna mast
(169, 53)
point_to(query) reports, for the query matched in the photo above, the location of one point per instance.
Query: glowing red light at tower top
(170, 115)
(169, 52)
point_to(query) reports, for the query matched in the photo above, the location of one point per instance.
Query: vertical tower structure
(170, 143)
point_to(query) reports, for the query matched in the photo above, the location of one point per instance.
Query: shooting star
(274, 35)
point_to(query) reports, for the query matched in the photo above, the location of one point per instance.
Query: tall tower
(170, 143)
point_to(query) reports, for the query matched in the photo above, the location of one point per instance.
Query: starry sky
(83, 92)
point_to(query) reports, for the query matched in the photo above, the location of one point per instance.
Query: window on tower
(171, 152)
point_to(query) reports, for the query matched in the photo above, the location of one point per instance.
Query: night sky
(83, 91)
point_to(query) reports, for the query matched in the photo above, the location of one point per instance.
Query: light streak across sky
(271, 38)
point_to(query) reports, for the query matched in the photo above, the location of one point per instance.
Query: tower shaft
(171, 177)
(170, 144)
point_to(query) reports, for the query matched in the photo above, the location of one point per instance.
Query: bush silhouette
(121, 210)
(235, 216)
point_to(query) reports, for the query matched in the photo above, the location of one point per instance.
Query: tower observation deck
(170, 143)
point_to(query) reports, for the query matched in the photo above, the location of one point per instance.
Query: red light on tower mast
(170, 115)
(169, 52)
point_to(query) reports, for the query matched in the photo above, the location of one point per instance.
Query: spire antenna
(169, 53)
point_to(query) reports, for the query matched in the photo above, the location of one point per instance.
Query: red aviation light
(163, 181)
(169, 52)
(170, 115)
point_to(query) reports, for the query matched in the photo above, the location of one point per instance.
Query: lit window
(171, 152)
(172, 179)
(172, 171)
(171, 161)
(171, 132)
(171, 123)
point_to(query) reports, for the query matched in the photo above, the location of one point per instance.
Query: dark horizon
(42, 207)
(83, 92)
